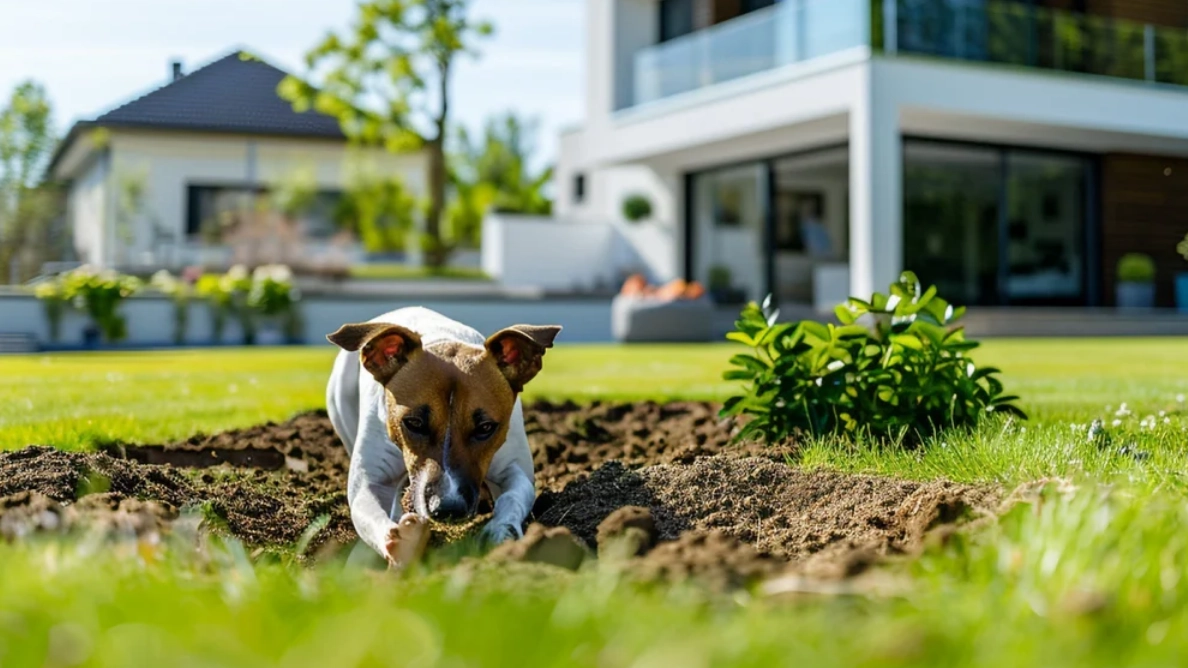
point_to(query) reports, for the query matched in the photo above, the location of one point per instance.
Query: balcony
(1013, 33)
(1006, 32)
(785, 33)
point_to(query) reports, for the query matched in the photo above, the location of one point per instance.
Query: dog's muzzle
(451, 500)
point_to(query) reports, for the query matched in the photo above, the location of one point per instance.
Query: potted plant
(637, 208)
(274, 299)
(1182, 278)
(1136, 281)
(721, 286)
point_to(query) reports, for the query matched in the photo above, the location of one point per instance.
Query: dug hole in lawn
(656, 490)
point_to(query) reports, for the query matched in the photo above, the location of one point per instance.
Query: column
(876, 188)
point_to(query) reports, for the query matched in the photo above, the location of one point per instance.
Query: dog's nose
(447, 508)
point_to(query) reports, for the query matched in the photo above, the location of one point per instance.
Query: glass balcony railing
(785, 33)
(1002, 31)
(997, 31)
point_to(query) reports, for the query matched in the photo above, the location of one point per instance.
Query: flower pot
(1182, 292)
(1136, 295)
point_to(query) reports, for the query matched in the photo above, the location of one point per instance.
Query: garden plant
(903, 376)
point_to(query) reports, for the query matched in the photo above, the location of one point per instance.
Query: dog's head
(449, 404)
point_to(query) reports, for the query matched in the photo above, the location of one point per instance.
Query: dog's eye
(484, 431)
(414, 424)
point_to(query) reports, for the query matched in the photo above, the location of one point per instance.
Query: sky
(95, 54)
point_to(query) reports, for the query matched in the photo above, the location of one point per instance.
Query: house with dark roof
(152, 180)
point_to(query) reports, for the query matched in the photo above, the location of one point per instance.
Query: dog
(424, 402)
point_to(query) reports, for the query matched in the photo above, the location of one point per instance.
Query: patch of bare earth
(656, 489)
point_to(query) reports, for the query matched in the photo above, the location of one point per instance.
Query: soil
(655, 490)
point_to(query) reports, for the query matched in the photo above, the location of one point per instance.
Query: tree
(502, 159)
(28, 209)
(494, 172)
(387, 80)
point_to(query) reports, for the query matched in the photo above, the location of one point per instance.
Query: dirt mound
(660, 481)
(260, 507)
(570, 441)
(780, 512)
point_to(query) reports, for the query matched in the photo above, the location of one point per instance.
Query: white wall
(563, 255)
(170, 162)
(87, 206)
(637, 25)
(546, 253)
(150, 318)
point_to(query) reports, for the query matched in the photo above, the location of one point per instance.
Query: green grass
(1092, 576)
(404, 272)
(80, 399)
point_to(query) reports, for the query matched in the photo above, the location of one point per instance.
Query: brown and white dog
(423, 401)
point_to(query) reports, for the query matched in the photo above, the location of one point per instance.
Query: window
(579, 188)
(210, 210)
(992, 226)
(676, 18)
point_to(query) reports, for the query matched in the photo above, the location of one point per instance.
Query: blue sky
(93, 54)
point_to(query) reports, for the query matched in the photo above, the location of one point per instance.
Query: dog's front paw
(407, 540)
(497, 533)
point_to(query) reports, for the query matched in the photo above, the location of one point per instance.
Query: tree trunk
(435, 253)
(438, 252)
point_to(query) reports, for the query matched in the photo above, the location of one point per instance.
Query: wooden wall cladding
(1144, 210)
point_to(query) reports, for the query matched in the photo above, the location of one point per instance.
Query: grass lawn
(1094, 575)
(404, 272)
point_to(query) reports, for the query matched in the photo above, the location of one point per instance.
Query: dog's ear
(383, 348)
(518, 350)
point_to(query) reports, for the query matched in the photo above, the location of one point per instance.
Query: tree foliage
(28, 208)
(494, 171)
(387, 79)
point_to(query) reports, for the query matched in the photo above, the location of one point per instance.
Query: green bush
(637, 208)
(99, 294)
(906, 377)
(179, 291)
(1136, 268)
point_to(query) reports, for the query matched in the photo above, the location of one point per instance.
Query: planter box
(1136, 295)
(1182, 292)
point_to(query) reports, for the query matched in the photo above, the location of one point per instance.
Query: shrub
(637, 208)
(177, 290)
(1182, 248)
(217, 291)
(720, 277)
(99, 294)
(54, 301)
(273, 296)
(906, 377)
(1136, 268)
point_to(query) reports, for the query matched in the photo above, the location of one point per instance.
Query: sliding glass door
(1046, 219)
(950, 219)
(729, 223)
(998, 226)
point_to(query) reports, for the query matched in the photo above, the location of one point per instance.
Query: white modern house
(151, 180)
(1008, 151)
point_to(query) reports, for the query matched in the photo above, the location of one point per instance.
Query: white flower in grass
(1123, 411)
(1166, 420)
(1162, 413)
(1148, 422)
(1117, 423)
(1179, 398)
